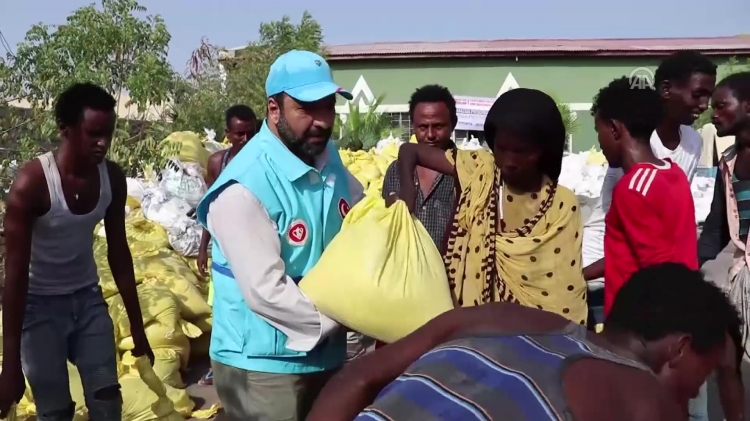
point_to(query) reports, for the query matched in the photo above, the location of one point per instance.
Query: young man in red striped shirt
(652, 215)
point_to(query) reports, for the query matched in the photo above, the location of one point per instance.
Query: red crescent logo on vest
(297, 232)
(343, 208)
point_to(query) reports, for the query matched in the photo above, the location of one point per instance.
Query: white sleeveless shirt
(62, 255)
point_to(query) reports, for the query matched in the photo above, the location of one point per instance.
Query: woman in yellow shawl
(516, 234)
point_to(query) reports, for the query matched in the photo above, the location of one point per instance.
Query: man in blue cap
(272, 212)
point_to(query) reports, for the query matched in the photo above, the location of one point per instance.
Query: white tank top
(62, 255)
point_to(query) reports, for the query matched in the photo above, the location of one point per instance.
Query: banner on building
(472, 111)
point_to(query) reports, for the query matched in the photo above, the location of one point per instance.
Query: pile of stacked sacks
(174, 303)
(369, 167)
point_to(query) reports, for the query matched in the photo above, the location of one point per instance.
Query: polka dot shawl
(537, 264)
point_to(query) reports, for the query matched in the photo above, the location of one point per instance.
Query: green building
(571, 71)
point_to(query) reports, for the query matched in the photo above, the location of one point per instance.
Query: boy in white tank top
(53, 308)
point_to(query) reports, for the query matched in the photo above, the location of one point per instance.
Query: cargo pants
(256, 396)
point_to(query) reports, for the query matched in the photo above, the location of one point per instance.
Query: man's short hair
(434, 93)
(678, 67)
(669, 299)
(71, 104)
(639, 109)
(240, 112)
(739, 84)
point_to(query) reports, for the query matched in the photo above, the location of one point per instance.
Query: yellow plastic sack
(199, 346)
(132, 203)
(390, 152)
(191, 147)
(203, 284)
(387, 286)
(161, 319)
(166, 366)
(168, 269)
(144, 237)
(140, 230)
(158, 267)
(145, 398)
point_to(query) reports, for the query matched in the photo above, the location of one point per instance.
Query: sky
(232, 23)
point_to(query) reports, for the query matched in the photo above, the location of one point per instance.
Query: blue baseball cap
(304, 76)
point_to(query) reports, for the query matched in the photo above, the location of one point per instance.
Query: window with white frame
(401, 121)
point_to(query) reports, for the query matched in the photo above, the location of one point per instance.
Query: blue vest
(307, 207)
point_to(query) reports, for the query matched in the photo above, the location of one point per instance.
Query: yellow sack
(385, 287)
(132, 203)
(166, 366)
(362, 180)
(145, 398)
(190, 146)
(157, 267)
(345, 156)
(161, 319)
(390, 152)
(164, 336)
(199, 346)
(203, 284)
(140, 230)
(168, 269)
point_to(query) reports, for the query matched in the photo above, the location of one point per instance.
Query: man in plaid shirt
(432, 109)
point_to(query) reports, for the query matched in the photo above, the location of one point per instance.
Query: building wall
(571, 80)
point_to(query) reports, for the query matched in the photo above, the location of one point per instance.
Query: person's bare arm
(357, 385)
(594, 270)
(212, 172)
(411, 155)
(612, 176)
(121, 261)
(23, 206)
(729, 379)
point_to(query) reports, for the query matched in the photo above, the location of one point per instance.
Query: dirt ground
(203, 396)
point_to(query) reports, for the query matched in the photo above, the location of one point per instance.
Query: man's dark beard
(299, 146)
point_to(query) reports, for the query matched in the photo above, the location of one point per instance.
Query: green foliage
(139, 147)
(569, 118)
(209, 90)
(363, 130)
(110, 46)
(246, 80)
(733, 65)
(201, 98)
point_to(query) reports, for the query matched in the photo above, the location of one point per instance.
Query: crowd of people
(526, 272)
